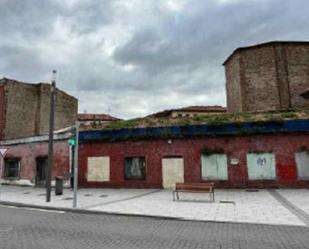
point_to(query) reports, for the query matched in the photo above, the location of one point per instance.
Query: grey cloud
(175, 56)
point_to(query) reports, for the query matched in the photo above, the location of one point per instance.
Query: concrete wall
(236, 149)
(267, 77)
(27, 110)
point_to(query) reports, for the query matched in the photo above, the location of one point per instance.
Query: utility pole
(51, 137)
(76, 164)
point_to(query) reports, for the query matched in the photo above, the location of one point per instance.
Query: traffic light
(72, 141)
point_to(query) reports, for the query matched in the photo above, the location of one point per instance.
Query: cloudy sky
(135, 57)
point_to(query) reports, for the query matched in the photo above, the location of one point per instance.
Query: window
(214, 167)
(134, 168)
(261, 166)
(11, 168)
(302, 161)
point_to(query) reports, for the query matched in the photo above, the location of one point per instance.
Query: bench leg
(213, 196)
(173, 195)
(177, 194)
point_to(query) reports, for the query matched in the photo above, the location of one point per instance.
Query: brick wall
(283, 146)
(28, 153)
(298, 74)
(21, 110)
(66, 108)
(27, 110)
(233, 87)
(267, 77)
(2, 108)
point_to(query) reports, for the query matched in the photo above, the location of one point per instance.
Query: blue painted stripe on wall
(197, 130)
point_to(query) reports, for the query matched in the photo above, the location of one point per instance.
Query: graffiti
(261, 161)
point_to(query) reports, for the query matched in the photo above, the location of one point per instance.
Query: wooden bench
(194, 188)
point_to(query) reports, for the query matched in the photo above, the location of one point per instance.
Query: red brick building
(271, 156)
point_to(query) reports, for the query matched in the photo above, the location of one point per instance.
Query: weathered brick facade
(28, 153)
(25, 109)
(283, 147)
(2, 105)
(268, 77)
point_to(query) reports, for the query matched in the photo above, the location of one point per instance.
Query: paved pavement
(21, 228)
(278, 207)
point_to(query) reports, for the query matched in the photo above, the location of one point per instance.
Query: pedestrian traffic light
(72, 141)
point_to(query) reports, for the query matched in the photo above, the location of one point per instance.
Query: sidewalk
(278, 207)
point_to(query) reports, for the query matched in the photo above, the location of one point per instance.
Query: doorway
(172, 172)
(41, 164)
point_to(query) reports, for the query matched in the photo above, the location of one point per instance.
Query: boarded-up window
(261, 166)
(214, 167)
(98, 169)
(172, 171)
(302, 161)
(135, 168)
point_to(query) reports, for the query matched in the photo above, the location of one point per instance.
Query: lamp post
(51, 137)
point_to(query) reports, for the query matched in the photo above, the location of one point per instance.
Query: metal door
(41, 164)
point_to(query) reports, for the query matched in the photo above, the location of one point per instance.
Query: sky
(131, 58)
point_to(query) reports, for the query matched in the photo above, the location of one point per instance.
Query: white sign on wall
(3, 151)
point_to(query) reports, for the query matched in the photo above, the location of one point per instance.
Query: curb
(96, 212)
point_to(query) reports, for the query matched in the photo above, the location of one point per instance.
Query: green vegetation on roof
(209, 119)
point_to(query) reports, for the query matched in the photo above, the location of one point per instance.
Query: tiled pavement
(279, 207)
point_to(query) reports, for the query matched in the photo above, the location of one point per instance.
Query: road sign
(3, 151)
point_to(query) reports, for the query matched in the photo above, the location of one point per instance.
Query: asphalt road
(33, 229)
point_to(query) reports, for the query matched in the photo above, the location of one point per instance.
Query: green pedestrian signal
(72, 141)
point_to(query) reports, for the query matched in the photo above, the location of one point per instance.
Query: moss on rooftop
(210, 119)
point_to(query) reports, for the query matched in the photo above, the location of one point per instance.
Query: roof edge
(265, 44)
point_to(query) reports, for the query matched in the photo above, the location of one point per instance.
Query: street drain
(67, 198)
(103, 196)
(41, 194)
(252, 190)
(228, 202)
(27, 193)
(88, 195)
